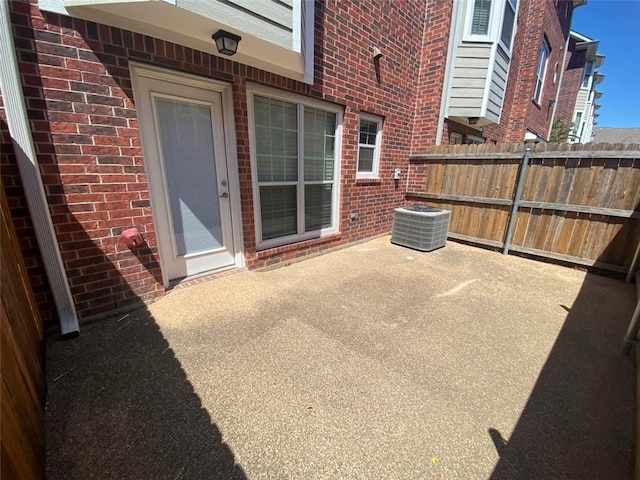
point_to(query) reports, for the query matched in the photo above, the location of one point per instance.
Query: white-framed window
(295, 161)
(491, 21)
(587, 73)
(508, 24)
(480, 18)
(541, 68)
(369, 140)
(576, 125)
(474, 140)
(455, 138)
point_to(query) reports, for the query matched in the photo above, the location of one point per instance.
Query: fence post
(633, 265)
(516, 201)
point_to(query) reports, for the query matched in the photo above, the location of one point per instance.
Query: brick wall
(12, 184)
(571, 81)
(537, 19)
(437, 23)
(78, 91)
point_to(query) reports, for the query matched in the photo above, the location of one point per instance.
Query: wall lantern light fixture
(226, 42)
(473, 120)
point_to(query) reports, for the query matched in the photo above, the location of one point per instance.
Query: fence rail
(576, 204)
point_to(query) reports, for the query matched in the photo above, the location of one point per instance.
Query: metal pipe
(26, 158)
(516, 201)
(632, 331)
(634, 263)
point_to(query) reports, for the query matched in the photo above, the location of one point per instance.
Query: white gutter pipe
(26, 157)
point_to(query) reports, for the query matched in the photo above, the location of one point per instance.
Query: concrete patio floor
(371, 362)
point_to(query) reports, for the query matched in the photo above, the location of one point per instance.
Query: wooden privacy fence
(573, 203)
(22, 396)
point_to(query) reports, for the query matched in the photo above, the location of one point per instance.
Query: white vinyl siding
(369, 139)
(272, 21)
(482, 58)
(277, 35)
(498, 86)
(469, 79)
(295, 145)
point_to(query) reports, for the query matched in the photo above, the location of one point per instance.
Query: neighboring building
(502, 81)
(616, 135)
(577, 104)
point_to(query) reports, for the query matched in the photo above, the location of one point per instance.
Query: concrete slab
(375, 361)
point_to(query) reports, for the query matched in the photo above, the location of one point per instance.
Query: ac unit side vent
(420, 227)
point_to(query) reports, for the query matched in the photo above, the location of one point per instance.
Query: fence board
(22, 438)
(578, 203)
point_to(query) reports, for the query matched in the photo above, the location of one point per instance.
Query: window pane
(480, 22)
(540, 69)
(276, 140)
(365, 159)
(279, 212)
(319, 144)
(507, 25)
(576, 124)
(368, 132)
(185, 132)
(317, 207)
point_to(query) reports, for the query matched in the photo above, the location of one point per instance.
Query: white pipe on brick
(26, 158)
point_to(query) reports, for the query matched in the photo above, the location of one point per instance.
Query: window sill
(535, 102)
(262, 251)
(369, 181)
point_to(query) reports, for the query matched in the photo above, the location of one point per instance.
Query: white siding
(274, 32)
(266, 19)
(498, 85)
(469, 79)
(581, 100)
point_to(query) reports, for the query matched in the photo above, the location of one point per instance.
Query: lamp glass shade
(227, 43)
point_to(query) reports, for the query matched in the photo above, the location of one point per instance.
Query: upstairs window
(543, 58)
(480, 17)
(369, 146)
(576, 126)
(491, 21)
(508, 24)
(586, 75)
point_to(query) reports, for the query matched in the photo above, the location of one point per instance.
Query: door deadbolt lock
(223, 183)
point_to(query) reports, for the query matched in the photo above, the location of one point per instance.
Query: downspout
(555, 102)
(26, 157)
(449, 68)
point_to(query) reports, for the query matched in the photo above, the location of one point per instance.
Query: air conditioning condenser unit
(421, 227)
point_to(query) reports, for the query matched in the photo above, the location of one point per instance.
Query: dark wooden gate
(22, 434)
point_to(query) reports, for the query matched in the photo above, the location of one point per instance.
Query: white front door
(182, 130)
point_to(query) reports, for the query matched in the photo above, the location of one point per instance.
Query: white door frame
(139, 71)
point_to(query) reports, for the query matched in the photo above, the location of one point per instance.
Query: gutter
(27, 160)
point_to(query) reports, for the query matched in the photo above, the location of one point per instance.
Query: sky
(616, 23)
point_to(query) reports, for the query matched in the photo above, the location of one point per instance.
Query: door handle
(224, 195)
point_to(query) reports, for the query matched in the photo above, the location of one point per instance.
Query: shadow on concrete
(121, 406)
(579, 419)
